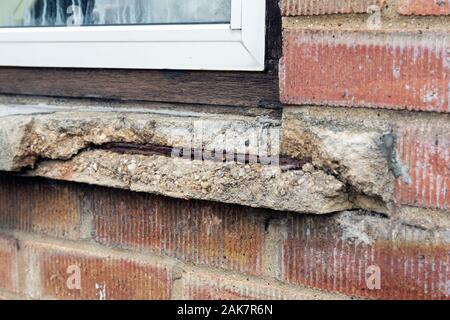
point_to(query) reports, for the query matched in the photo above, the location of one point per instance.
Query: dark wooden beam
(250, 89)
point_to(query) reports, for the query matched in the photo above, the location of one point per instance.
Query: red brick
(200, 286)
(42, 206)
(8, 264)
(102, 276)
(425, 151)
(424, 7)
(395, 70)
(217, 235)
(318, 256)
(317, 7)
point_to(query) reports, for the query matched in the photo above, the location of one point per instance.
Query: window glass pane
(37, 13)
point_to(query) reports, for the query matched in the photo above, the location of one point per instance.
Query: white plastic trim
(190, 47)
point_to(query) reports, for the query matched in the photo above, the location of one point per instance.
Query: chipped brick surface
(395, 70)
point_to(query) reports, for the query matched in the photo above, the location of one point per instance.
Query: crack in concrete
(286, 163)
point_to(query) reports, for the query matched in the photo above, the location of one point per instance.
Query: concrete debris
(66, 143)
(254, 185)
(352, 152)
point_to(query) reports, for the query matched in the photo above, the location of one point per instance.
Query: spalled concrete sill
(310, 160)
(253, 185)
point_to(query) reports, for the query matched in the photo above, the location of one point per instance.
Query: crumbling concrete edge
(330, 161)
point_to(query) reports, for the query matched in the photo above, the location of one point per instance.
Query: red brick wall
(134, 246)
(140, 246)
(377, 69)
(211, 234)
(103, 276)
(410, 268)
(127, 245)
(334, 59)
(401, 64)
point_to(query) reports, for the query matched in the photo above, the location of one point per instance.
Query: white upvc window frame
(239, 45)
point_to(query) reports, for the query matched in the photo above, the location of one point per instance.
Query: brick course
(331, 253)
(41, 206)
(395, 70)
(221, 236)
(319, 256)
(103, 276)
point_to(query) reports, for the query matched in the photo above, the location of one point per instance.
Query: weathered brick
(42, 206)
(317, 7)
(8, 264)
(424, 7)
(217, 235)
(396, 70)
(336, 254)
(103, 276)
(425, 152)
(201, 286)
